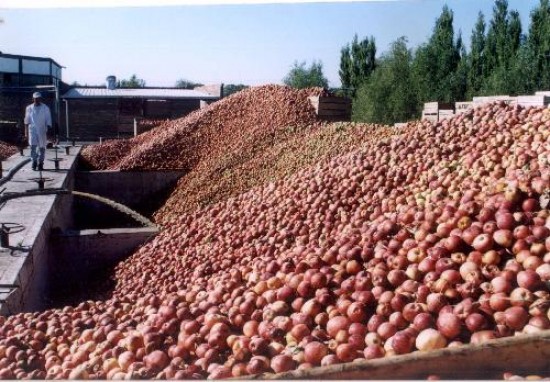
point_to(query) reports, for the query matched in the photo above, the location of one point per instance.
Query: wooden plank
(334, 106)
(488, 99)
(325, 113)
(463, 106)
(434, 107)
(526, 354)
(316, 99)
(534, 100)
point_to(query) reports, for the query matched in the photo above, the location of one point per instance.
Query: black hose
(13, 170)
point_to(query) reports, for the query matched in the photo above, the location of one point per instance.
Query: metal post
(135, 128)
(67, 118)
(4, 237)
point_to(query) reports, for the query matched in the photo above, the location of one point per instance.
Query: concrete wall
(130, 188)
(77, 254)
(26, 264)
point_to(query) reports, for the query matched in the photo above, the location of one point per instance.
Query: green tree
(346, 67)
(233, 88)
(501, 51)
(523, 78)
(132, 82)
(539, 43)
(186, 84)
(357, 62)
(301, 77)
(437, 61)
(476, 58)
(389, 95)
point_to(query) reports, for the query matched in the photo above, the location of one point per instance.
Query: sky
(241, 43)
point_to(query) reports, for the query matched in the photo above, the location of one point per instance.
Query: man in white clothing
(38, 121)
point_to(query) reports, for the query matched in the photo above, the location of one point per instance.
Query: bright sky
(230, 43)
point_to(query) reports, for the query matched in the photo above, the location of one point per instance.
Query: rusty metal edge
(528, 353)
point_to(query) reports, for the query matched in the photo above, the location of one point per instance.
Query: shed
(20, 77)
(110, 112)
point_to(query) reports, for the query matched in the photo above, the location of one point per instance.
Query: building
(20, 76)
(110, 112)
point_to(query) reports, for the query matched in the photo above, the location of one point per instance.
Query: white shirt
(38, 117)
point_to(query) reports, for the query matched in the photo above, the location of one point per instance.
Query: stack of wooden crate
(539, 100)
(332, 108)
(461, 107)
(478, 101)
(436, 111)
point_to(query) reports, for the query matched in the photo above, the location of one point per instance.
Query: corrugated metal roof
(161, 93)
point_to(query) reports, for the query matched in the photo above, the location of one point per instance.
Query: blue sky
(245, 43)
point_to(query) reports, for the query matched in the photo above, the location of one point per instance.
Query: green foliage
(477, 65)
(132, 82)
(389, 95)
(501, 60)
(539, 43)
(503, 42)
(437, 61)
(301, 77)
(232, 88)
(186, 84)
(357, 62)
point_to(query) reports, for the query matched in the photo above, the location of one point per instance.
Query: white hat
(37, 95)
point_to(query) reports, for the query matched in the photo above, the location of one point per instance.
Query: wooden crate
(524, 355)
(332, 108)
(534, 100)
(434, 107)
(478, 101)
(461, 107)
(445, 114)
(433, 117)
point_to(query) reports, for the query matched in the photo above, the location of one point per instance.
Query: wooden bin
(461, 107)
(478, 101)
(332, 108)
(539, 100)
(435, 107)
(523, 355)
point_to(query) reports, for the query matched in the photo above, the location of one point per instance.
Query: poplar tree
(389, 95)
(357, 62)
(501, 51)
(477, 59)
(436, 62)
(539, 43)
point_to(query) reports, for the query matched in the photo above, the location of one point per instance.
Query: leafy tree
(523, 72)
(232, 88)
(132, 82)
(476, 58)
(459, 78)
(346, 67)
(186, 84)
(301, 77)
(503, 43)
(437, 61)
(389, 95)
(357, 62)
(539, 43)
